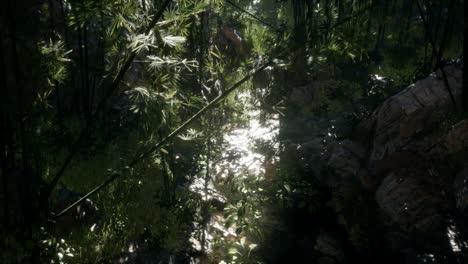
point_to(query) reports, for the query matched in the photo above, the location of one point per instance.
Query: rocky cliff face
(399, 190)
(415, 170)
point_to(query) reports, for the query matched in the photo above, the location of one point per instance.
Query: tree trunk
(465, 61)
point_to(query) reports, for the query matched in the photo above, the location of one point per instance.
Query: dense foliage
(92, 91)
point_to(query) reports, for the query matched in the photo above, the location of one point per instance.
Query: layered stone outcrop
(415, 168)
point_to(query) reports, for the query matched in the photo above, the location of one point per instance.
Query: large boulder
(405, 114)
(345, 159)
(301, 95)
(406, 202)
(444, 143)
(329, 249)
(312, 155)
(457, 138)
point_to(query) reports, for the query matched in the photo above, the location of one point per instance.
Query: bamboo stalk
(112, 88)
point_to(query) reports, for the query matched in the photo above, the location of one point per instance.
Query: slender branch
(82, 88)
(112, 88)
(439, 56)
(156, 147)
(207, 179)
(165, 173)
(87, 103)
(253, 16)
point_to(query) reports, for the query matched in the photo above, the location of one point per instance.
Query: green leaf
(233, 251)
(351, 55)
(170, 94)
(216, 55)
(164, 151)
(242, 242)
(173, 41)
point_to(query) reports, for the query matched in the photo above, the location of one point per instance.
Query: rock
(301, 95)
(457, 138)
(405, 201)
(329, 248)
(460, 187)
(395, 240)
(353, 213)
(441, 145)
(301, 129)
(363, 131)
(368, 182)
(405, 114)
(346, 158)
(325, 260)
(312, 154)
(394, 162)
